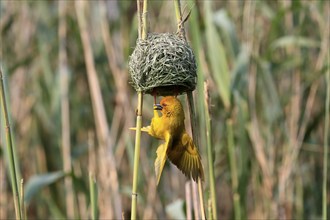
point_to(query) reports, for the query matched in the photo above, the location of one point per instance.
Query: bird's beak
(157, 107)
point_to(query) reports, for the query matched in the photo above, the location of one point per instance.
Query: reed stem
(93, 196)
(177, 7)
(144, 19)
(10, 150)
(137, 154)
(196, 140)
(65, 110)
(210, 155)
(233, 169)
(23, 207)
(178, 15)
(144, 30)
(188, 200)
(201, 198)
(325, 148)
(138, 4)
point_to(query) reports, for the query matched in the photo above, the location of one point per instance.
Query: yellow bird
(179, 148)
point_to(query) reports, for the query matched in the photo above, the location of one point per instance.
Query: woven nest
(163, 64)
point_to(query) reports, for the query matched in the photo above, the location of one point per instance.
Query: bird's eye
(164, 104)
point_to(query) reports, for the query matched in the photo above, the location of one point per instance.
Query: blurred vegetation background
(265, 64)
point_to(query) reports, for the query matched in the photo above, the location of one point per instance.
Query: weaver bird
(179, 148)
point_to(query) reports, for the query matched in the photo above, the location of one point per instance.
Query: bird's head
(170, 106)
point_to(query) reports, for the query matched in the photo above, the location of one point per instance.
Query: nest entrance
(163, 63)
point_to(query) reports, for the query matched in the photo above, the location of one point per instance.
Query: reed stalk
(233, 168)
(23, 207)
(108, 170)
(137, 154)
(138, 3)
(65, 111)
(93, 196)
(210, 155)
(188, 200)
(325, 148)
(178, 15)
(144, 27)
(196, 140)
(142, 31)
(10, 150)
(201, 198)
(209, 209)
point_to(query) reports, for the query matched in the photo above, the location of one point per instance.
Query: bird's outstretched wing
(161, 156)
(184, 154)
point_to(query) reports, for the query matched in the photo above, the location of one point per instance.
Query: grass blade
(37, 182)
(217, 56)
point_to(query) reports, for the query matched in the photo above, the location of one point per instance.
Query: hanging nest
(163, 64)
